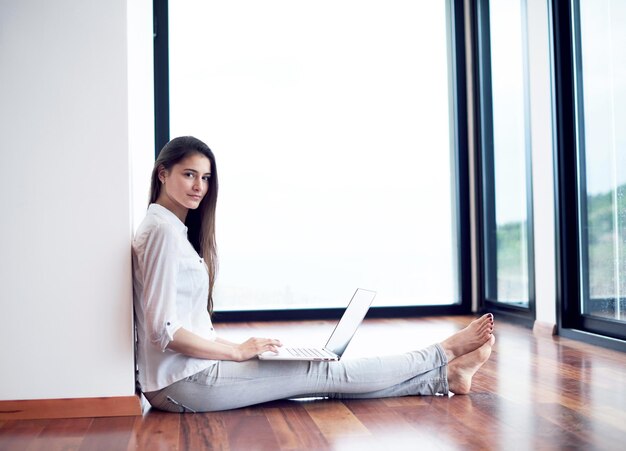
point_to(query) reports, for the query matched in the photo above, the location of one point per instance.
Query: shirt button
(168, 324)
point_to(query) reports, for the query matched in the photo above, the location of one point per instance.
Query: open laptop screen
(350, 321)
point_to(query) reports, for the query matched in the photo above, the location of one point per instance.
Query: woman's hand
(255, 346)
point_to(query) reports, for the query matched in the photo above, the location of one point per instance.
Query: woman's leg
(229, 385)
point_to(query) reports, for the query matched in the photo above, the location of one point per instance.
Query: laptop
(339, 339)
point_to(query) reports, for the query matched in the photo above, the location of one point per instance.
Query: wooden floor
(536, 392)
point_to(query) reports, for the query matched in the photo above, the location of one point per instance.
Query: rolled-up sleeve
(159, 281)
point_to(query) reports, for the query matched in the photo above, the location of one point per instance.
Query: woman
(182, 363)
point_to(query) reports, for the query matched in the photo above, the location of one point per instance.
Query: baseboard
(120, 406)
(544, 329)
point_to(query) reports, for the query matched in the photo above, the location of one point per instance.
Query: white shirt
(170, 291)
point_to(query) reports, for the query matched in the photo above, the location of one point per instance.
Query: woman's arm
(226, 342)
(193, 345)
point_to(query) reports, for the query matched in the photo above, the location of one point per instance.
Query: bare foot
(461, 371)
(472, 337)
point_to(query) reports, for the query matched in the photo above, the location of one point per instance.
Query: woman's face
(184, 186)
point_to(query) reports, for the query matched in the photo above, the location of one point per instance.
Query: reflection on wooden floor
(536, 392)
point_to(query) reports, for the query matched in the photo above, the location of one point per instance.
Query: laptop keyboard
(308, 352)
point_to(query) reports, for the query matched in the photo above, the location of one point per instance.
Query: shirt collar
(166, 214)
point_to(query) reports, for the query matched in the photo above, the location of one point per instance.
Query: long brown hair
(201, 221)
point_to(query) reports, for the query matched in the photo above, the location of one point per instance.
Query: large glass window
(601, 107)
(333, 128)
(505, 145)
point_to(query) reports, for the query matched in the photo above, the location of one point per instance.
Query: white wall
(140, 104)
(542, 161)
(65, 229)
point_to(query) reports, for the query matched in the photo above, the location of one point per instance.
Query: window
(336, 135)
(601, 97)
(503, 75)
(593, 218)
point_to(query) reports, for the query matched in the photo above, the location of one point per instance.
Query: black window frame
(568, 84)
(484, 175)
(456, 31)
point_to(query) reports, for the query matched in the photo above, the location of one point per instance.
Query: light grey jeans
(229, 385)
